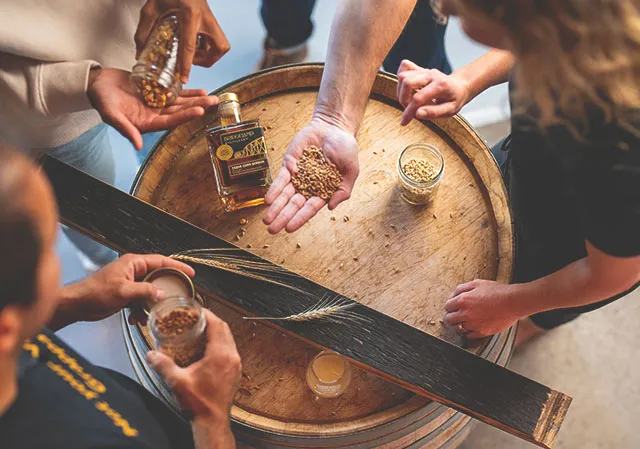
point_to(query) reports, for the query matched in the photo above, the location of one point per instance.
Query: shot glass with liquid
(328, 374)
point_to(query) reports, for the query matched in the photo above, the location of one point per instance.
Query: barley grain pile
(316, 176)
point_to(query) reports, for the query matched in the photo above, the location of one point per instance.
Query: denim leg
(421, 41)
(91, 152)
(288, 22)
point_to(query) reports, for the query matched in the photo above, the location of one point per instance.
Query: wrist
(94, 74)
(327, 116)
(67, 310)
(524, 300)
(468, 92)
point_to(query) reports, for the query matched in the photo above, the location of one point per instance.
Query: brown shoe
(272, 56)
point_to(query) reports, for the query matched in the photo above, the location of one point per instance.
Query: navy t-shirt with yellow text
(65, 402)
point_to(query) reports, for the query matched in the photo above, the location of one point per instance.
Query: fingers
(452, 304)
(475, 335)
(124, 127)
(166, 121)
(189, 25)
(412, 82)
(454, 318)
(424, 97)
(278, 204)
(463, 288)
(296, 203)
(431, 112)
(277, 186)
(205, 102)
(186, 93)
(145, 263)
(148, 17)
(407, 65)
(140, 292)
(164, 366)
(216, 43)
(218, 332)
(311, 207)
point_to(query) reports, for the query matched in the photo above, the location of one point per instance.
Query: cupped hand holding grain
(289, 209)
(116, 100)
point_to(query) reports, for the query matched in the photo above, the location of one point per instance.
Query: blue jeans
(288, 23)
(90, 152)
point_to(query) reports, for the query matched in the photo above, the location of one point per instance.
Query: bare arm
(361, 37)
(596, 277)
(488, 307)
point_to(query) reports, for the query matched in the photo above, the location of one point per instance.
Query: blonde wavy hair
(572, 54)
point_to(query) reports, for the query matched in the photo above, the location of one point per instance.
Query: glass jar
(155, 74)
(420, 170)
(328, 374)
(177, 327)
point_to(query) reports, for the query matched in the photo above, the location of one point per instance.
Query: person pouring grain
(50, 396)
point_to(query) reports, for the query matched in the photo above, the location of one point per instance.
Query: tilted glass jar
(155, 74)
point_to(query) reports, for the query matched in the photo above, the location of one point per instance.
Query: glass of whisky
(328, 375)
(239, 155)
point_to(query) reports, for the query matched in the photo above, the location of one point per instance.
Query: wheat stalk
(238, 264)
(333, 309)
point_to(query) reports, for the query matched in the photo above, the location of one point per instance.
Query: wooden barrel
(400, 259)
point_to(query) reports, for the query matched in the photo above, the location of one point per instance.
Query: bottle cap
(228, 96)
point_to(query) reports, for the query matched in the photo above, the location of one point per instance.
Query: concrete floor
(590, 359)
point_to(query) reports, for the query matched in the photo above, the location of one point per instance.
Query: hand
(483, 307)
(195, 19)
(428, 94)
(115, 286)
(207, 387)
(289, 209)
(120, 106)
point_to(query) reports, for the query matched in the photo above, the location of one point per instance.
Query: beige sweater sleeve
(49, 88)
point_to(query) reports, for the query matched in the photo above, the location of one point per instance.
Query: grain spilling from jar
(316, 176)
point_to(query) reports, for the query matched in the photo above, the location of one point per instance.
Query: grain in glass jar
(155, 74)
(420, 170)
(177, 327)
(328, 374)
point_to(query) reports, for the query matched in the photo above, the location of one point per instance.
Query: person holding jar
(571, 164)
(50, 396)
(64, 76)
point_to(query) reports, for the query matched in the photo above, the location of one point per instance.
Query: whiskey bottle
(239, 156)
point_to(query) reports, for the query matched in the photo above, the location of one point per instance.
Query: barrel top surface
(399, 259)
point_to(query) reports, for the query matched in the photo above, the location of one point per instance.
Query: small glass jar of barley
(154, 75)
(420, 170)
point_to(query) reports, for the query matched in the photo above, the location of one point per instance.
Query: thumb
(142, 292)
(163, 365)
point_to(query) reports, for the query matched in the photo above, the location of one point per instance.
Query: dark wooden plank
(389, 348)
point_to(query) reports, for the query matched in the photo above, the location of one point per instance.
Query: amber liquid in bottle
(239, 155)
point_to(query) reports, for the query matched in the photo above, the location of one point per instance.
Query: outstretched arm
(361, 36)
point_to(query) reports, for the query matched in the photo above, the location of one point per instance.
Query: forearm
(577, 284)
(361, 37)
(492, 68)
(213, 434)
(68, 310)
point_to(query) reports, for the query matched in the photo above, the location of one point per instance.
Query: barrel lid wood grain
(400, 259)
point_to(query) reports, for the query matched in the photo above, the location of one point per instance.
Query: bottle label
(245, 152)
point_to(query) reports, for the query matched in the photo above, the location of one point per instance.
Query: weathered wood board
(389, 348)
